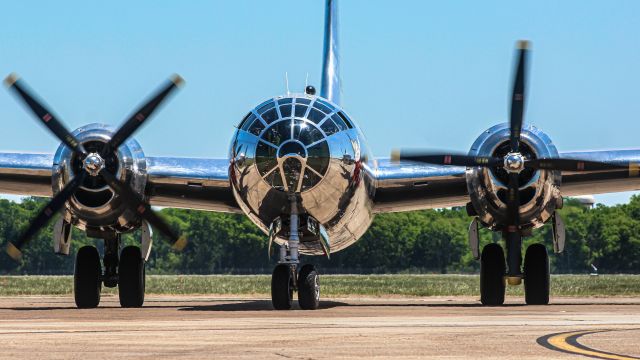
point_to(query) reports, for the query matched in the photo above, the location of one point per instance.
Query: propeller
(514, 161)
(93, 163)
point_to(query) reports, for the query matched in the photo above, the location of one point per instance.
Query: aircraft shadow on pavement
(253, 305)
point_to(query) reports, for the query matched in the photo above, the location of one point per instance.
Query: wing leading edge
(203, 184)
(407, 186)
(191, 183)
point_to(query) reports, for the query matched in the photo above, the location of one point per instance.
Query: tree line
(421, 241)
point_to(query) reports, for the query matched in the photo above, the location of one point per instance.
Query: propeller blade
(143, 209)
(43, 114)
(15, 249)
(518, 96)
(573, 165)
(142, 115)
(446, 159)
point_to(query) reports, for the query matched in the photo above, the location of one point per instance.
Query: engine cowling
(539, 189)
(95, 207)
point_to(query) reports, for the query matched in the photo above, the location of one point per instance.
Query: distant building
(586, 200)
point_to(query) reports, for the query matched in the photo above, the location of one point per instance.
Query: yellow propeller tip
(177, 80)
(14, 252)
(395, 156)
(523, 45)
(180, 244)
(10, 80)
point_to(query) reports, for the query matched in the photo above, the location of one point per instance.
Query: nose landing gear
(286, 278)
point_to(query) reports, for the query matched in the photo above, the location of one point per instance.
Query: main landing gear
(125, 270)
(286, 278)
(494, 273)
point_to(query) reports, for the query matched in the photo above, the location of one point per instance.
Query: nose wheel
(308, 288)
(284, 281)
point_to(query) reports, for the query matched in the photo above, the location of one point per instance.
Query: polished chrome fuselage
(304, 146)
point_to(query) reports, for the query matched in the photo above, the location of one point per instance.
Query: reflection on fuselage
(304, 145)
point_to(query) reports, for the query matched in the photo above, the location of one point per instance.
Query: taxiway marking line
(568, 342)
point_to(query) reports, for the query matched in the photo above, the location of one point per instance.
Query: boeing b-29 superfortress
(299, 167)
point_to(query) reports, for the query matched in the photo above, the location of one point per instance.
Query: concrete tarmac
(193, 327)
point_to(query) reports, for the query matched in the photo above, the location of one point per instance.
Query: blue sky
(416, 73)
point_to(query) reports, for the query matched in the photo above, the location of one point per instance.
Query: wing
(407, 186)
(190, 183)
(599, 182)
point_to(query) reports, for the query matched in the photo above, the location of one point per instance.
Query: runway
(210, 327)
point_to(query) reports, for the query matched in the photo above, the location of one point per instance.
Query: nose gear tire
(308, 288)
(281, 287)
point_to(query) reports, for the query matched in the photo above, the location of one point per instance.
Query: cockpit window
(244, 121)
(306, 133)
(266, 157)
(285, 111)
(329, 127)
(316, 116)
(257, 127)
(301, 110)
(345, 119)
(319, 157)
(303, 101)
(265, 106)
(339, 122)
(278, 132)
(323, 106)
(270, 116)
(244, 124)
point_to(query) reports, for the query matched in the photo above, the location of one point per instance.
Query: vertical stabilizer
(331, 83)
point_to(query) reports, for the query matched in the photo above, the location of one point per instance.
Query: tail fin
(331, 88)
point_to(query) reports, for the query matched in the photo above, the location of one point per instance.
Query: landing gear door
(558, 233)
(147, 240)
(474, 239)
(274, 229)
(61, 237)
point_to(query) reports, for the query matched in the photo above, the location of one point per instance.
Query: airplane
(301, 170)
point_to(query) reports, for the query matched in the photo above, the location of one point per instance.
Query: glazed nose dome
(292, 153)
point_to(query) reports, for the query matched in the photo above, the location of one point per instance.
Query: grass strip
(332, 285)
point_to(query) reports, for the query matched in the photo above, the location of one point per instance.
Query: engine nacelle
(95, 207)
(539, 189)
